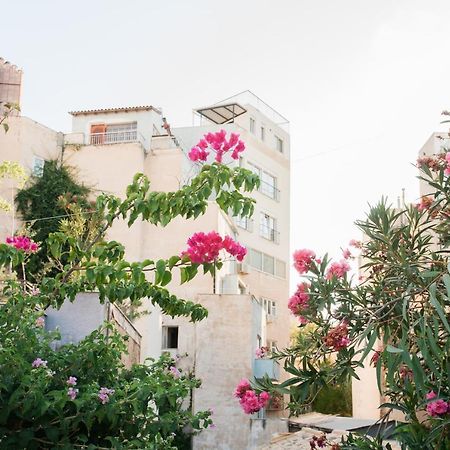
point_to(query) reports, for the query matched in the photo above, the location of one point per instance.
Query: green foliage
(334, 399)
(402, 306)
(149, 406)
(37, 412)
(42, 204)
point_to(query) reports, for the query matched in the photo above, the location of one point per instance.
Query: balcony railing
(269, 233)
(114, 137)
(270, 190)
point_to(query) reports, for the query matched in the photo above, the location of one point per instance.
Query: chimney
(10, 84)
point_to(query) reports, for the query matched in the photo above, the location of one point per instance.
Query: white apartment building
(247, 306)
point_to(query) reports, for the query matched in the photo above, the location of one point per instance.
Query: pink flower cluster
(38, 362)
(261, 352)
(303, 260)
(175, 372)
(219, 144)
(425, 203)
(337, 338)
(299, 301)
(338, 269)
(71, 381)
(249, 400)
(447, 160)
(205, 247)
(40, 322)
(437, 407)
(72, 393)
(104, 393)
(355, 243)
(22, 243)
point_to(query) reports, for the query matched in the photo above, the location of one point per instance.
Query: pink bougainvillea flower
(337, 337)
(303, 260)
(71, 381)
(437, 407)
(23, 243)
(338, 269)
(218, 143)
(72, 393)
(40, 322)
(38, 362)
(205, 247)
(299, 301)
(104, 394)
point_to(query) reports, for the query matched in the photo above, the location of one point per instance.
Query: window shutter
(98, 133)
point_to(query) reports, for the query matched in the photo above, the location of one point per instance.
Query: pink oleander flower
(346, 254)
(104, 394)
(72, 393)
(22, 243)
(205, 247)
(437, 407)
(302, 320)
(241, 388)
(40, 322)
(71, 381)
(252, 402)
(261, 352)
(218, 143)
(375, 357)
(175, 372)
(355, 243)
(338, 269)
(337, 337)
(447, 161)
(38, 362)
(299, 301)
(425, 203)
(303, 260)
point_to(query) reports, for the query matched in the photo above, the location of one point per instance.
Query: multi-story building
(247, 304)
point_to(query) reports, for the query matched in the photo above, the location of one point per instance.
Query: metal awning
(221, 114)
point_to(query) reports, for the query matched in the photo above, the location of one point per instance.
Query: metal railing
(269, 233)
(270, 190)
(114, 137)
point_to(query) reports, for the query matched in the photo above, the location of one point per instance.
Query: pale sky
(363, 83)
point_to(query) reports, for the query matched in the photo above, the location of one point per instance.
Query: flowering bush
(397, 316)
(81, 396)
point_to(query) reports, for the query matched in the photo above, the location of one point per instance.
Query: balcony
(271, 234)
(267, 367)
(269, 190)
(115, 137)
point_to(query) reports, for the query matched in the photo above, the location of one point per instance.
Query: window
(252, 125)
(268, 183)
(267, 227)
(270, 307)
(255, 259)
(169, 337)
(279, 144)
(265, 263)
(113, 133)
(244, 222)
(273, 346)
(280, 268)
(263, 133)
(38, 166)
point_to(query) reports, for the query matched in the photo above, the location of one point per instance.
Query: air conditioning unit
(242, 268)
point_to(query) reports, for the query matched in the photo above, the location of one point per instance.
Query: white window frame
(266, 188)
(263, 133)
(279, 144)
(252, 125)
(246, 223)
(268, 230)
(261, 254)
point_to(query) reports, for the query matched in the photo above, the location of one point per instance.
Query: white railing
(269, 189)
(114, 137)
(269, 233)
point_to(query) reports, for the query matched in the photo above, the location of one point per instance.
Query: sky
(363, 83)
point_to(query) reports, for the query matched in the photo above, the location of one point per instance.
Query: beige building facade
(247, 305)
